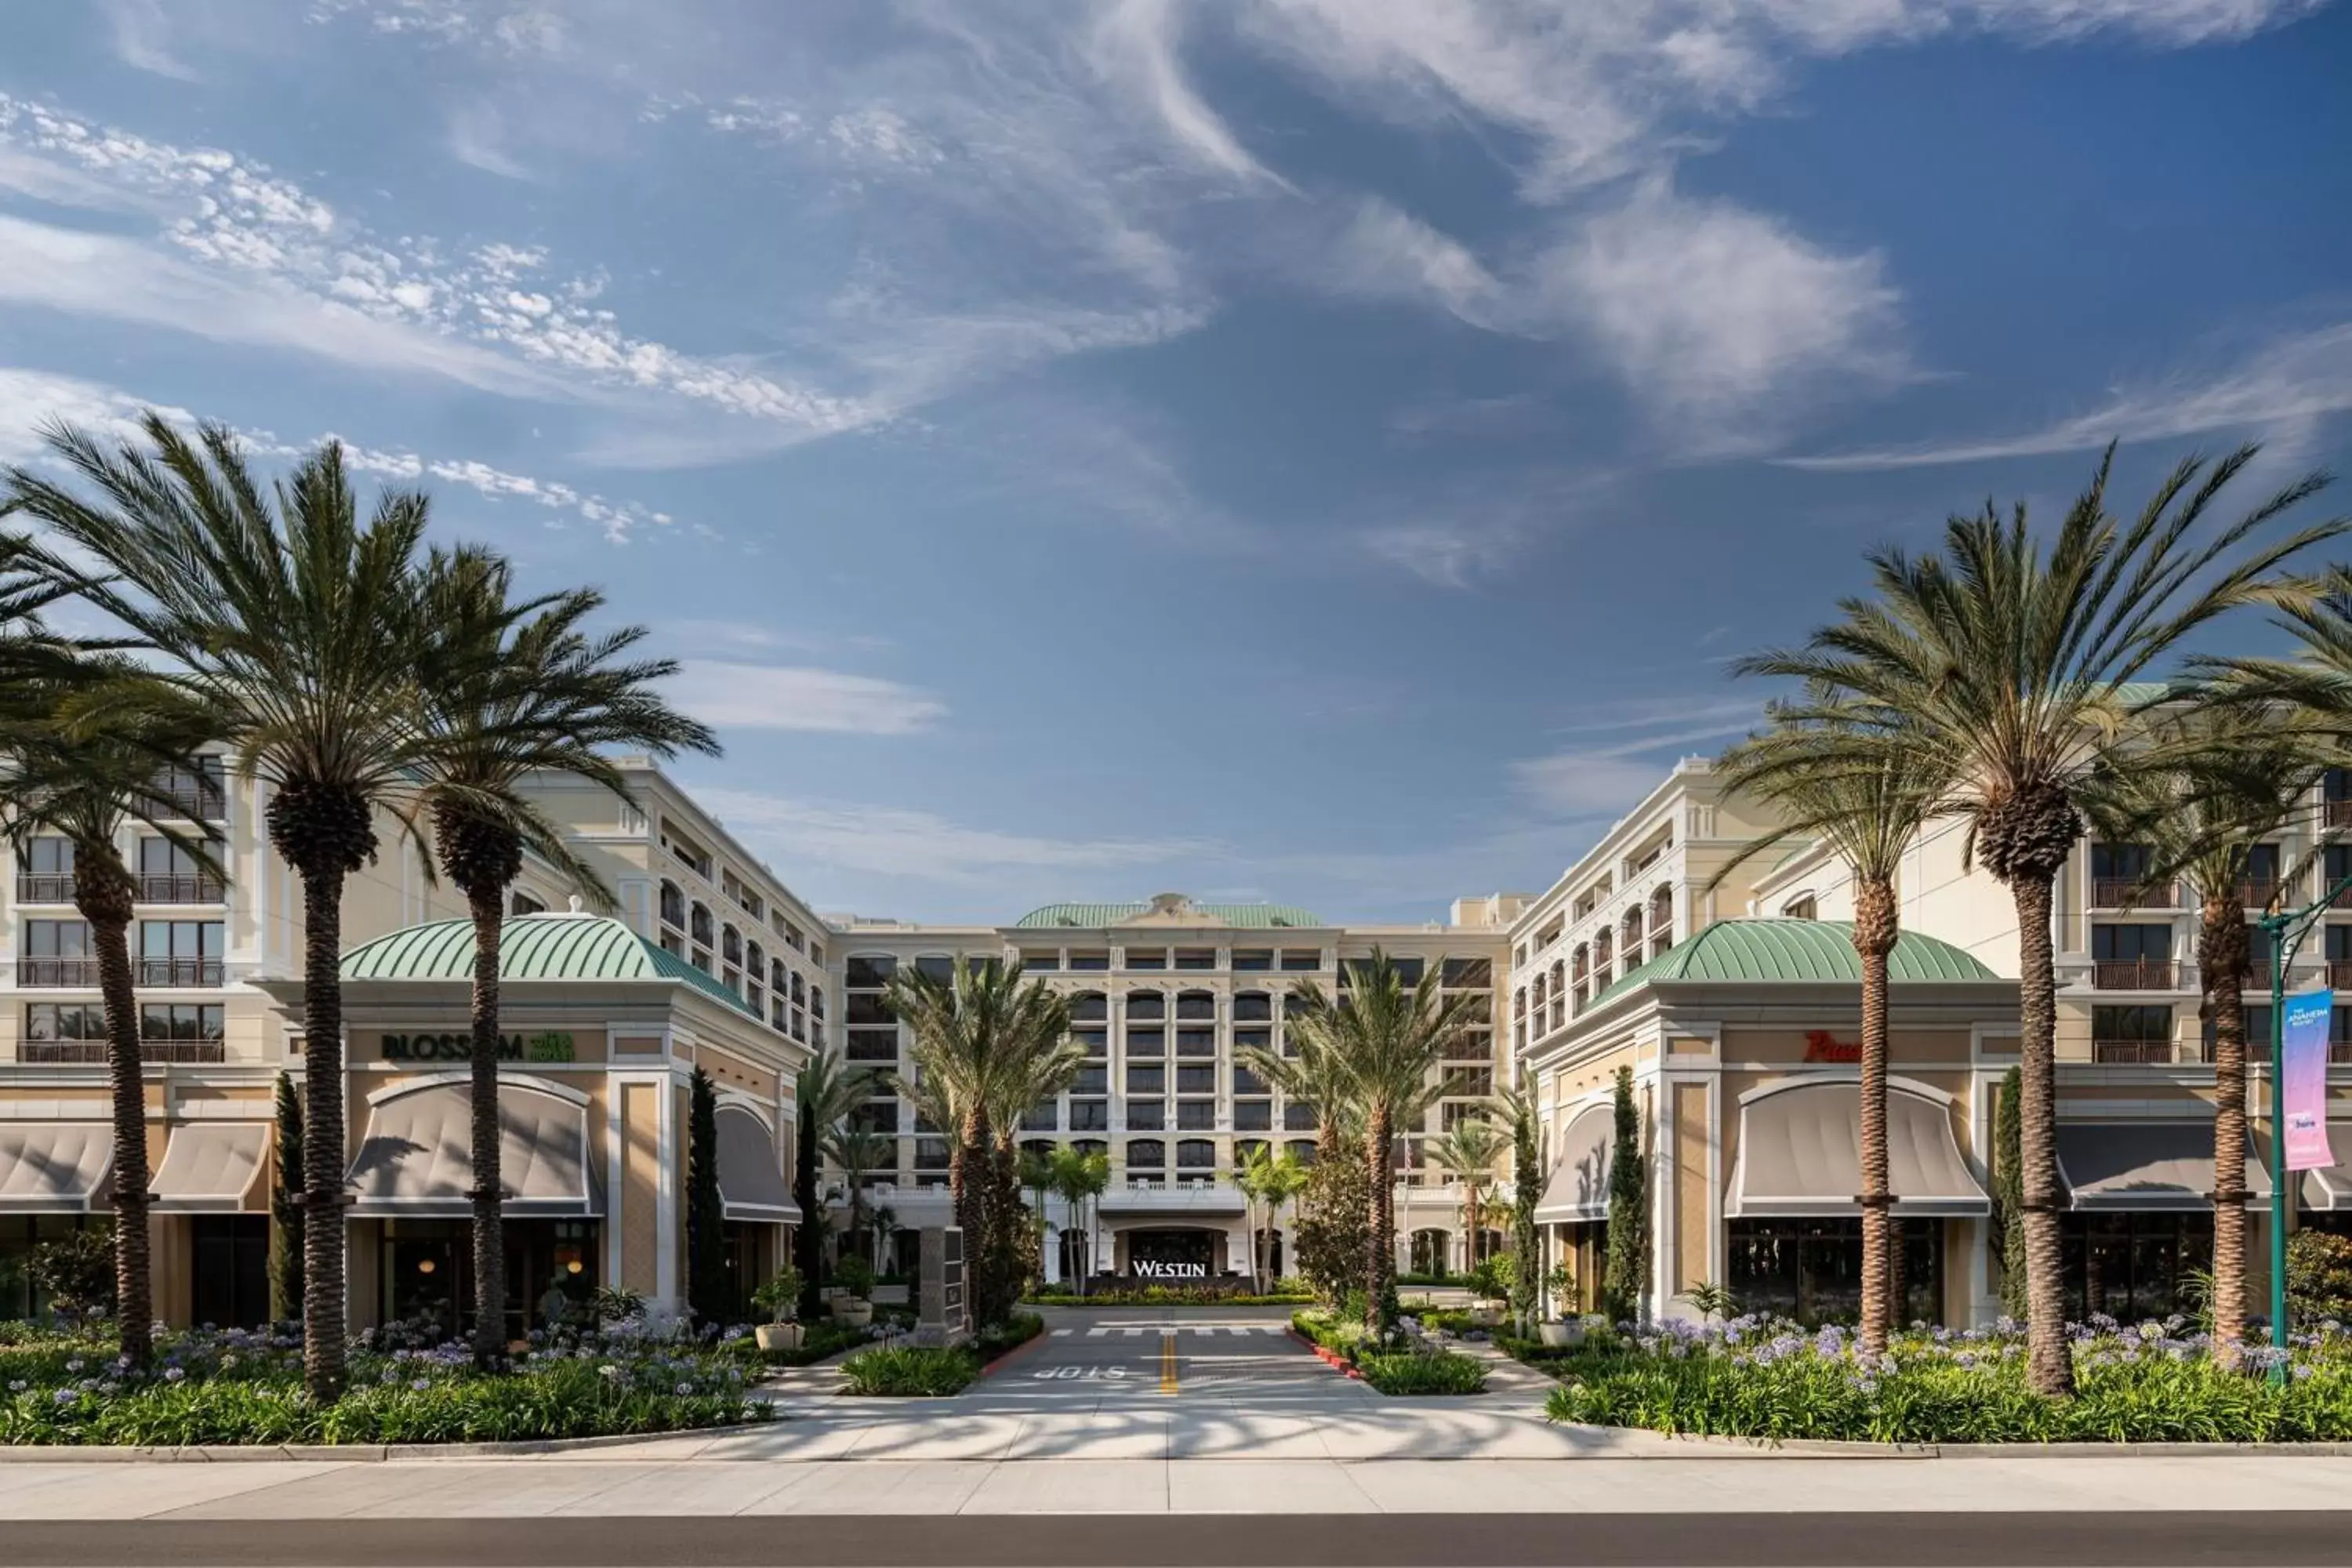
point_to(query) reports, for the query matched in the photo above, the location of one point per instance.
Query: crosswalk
(1204, 1331)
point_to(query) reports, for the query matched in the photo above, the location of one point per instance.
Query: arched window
(755, 959)
(1196, 1154)
(1089, 1007)
(698, 924)
(1662, 920)
(797, 988)
(780, 977)
(731, 946)
(673, 905)
(1037, 1148)
(1146, 1006)
(1543, 989)
(1198, 1006)
(1146, 1155)
(1246, 1149)
(1301, 1150)
(1602, 959)
(1091, 1146)
(1253, 1008)
(1633, 936)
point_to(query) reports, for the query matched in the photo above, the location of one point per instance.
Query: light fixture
(425, 1266)
(572, 1267)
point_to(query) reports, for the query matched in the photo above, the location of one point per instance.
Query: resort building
(1164, 994)
(212, 957)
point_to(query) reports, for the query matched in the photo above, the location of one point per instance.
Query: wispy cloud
(2281, 392)
(733, 695)
(142, 37)
(1603, 776)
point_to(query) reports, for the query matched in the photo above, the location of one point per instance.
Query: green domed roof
(1769, 951)
(531, 947)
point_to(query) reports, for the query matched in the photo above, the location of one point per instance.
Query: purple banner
(2302, 1078)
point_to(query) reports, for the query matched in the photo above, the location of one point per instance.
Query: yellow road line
(1168, 1364)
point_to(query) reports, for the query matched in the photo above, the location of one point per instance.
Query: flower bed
(406, 1386)
(2143, 1383)
(828, 1336)
(912, 1371)
(1415, 1362)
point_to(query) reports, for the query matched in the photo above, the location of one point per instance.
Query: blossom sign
(2302, 1080)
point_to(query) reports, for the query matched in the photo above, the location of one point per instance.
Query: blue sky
(1319, 450)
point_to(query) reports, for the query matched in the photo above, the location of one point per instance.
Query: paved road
(1393, 1541)
(1113, 1358)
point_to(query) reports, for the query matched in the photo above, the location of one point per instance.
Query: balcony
(56, 973)
(2340, 974)
(44, 888)
(196, 803)
(2339, 813)
(2133, 893)
(2133, 974)
(2258, 974)
(1186, 1194)
(2257, 893)
(92, 1053)
(2141, 1053)
(178, 888)
(170, 972)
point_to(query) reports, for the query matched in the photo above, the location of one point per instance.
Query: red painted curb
(1031, 1343)
(1329, 1358)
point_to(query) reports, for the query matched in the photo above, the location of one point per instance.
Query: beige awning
(417, 1157)
(2145, 1166)
(1578, 1185)
(751, 1186)
(213, 1167)
(1800, 1154)
(56, 1167)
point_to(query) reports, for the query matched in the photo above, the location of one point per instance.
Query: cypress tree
(1625, 1281)
(1526, 1191)
(707, 1288)
(286, 1210)
(2008, 1194)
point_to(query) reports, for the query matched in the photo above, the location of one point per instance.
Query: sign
(1821, 1045)
(2302, 1080)
(553, 1047)
(1161, 1268)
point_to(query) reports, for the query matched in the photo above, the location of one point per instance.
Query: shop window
(2133, 1267)
(1810, 1269)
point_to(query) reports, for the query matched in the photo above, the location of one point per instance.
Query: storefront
(2138, 1230)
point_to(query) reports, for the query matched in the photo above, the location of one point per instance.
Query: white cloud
(2279, 394)
(142, 37)
(1601, 778)
(1383, 251)
(32, 398)
(478, 138)
(896, 842)
(1135, 45)
(786, 697)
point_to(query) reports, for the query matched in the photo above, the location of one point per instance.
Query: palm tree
(987, 1044)
(827, 1089)
(291, 629)
(2216, 784)
(77, 764)
(1867, 796)
(860, 1151)
(2017, 672)
(1080, 1180)
(1272, 1180)
(1385, 1041)
(514, 689)
(1469, 1151)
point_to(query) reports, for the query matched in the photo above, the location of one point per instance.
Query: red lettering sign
(1821, 1045)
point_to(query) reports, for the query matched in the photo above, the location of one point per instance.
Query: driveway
(1114, 1358)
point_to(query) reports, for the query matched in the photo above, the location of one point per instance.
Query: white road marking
(1061, 1333)
(1095, 1334)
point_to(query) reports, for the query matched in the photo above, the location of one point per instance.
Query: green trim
(531, 947)
(1781, 952)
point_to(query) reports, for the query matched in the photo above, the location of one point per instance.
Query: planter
(1487, 1316)
(781, 1336)
(1560, 1336)
(851, 1310)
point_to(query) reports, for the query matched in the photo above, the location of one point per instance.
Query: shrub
(912, 1371)
(76, 1271)
(997, 1339)
(1342, 1336)
(2318, 1277)
(855, 1276)
(1407, 1372)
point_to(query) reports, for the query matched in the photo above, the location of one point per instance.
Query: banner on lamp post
(2302, 1080)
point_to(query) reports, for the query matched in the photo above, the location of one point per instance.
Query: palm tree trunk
(2222, 962)
(485, 905)
(103, 897)
(1380, 1259)
(2050, 1364)
(323, 1333)
(968, 1181)
(1874, 939)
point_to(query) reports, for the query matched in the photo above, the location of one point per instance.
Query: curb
(1841, 1448)
(988, 1369)
(343, 1453)
(1329, 1358)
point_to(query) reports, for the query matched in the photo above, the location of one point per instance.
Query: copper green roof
(1088, 916)
(1770, 952)
(531, 947)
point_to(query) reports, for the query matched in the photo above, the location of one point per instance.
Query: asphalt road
(1387, 1540)
(1095, 1358)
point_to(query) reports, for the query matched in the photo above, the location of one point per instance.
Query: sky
(1324, 451)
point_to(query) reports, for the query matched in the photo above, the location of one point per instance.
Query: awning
(750, 1185)
(2145, 1166)
(56, 1167)
(1800, 1155)
(212, 1168)
(417, 1157)
(1579, 1186)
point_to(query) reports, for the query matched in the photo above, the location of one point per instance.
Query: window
(873, 1045)
(1297, 1116)
(1253, 1008)
(1452, 1115)
(1041, 960)
(1089, 1007)
(2258, 1032)
(44, 871)
(157, 858)
(1293, 1003)
(1248, 1082)
(2133, 1266)
(180, 952)
(1090, 1116)
(1196, 1079)
(1196, 958)
(1197, 1005)
(1147, 1043)
(875, 1116)
(2131, 1034)
(1603, 955)
(1810, 1269)
(196, 792)
(799, 993)
(1146, 1006)
(1046, 1117)
(57, 939)
(1247, 1148)
(1146, 1153)
(2131, 943)
(180, 1020)
(816, 953)
(1196, 1154)
(869, 973)
(1091, 1146)
(1196, 1042)
(1469, 1081)
(1094, 1042)
(1147, 958)
(1089, 958)
(866, 1007)
(936, 966)
(1253, 1115)
(697, 923)
(1253, 960)
(1409, 970)
(931, 1153)
(1147, 1079)
(524, 904)
(1147, 1115)
(1301, 1150)
(1196, 1115)
(1467, 974)
(730, 947)
(1301, 959)
(1805, 908)
(60, 1021)
(1662, 921)
(1252, 1039)
(1091, 1080)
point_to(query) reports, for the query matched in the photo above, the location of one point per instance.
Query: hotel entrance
(1174, 1254)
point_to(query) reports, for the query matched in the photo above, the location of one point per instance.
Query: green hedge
(998, 1338)
(1406, 1373)
(1166, 1296)
(912, 1371)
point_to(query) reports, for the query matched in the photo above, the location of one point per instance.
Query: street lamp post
(2287, 931)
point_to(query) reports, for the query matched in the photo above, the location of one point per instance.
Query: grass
(912, 1371)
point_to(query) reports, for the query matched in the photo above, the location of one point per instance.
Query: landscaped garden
(920, 1371)
(1758, 1377)
(1412, 1361)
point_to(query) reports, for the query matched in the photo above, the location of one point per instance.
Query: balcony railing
(44, 888)
(2339, 813)
(2256, 892)
(2258, 974)
(2343, 900)
(2133, 974)
(197, 803)
(2132, 892)
(85, 1053)
(2340, 974)
(178, 972)
(57, 972)
(2141, 1052)
(175, 888)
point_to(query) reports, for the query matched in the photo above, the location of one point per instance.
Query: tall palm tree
(2216, 786)
(78, 765)
(860, 1152)
(1867, 796)
(1079, 1180)
(513, 690)
(827, 1089)
(987, 1043)
(1266, 1180)
(2017, 670)
(1470, 1150)
(1386, 1040)
(291, 628)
